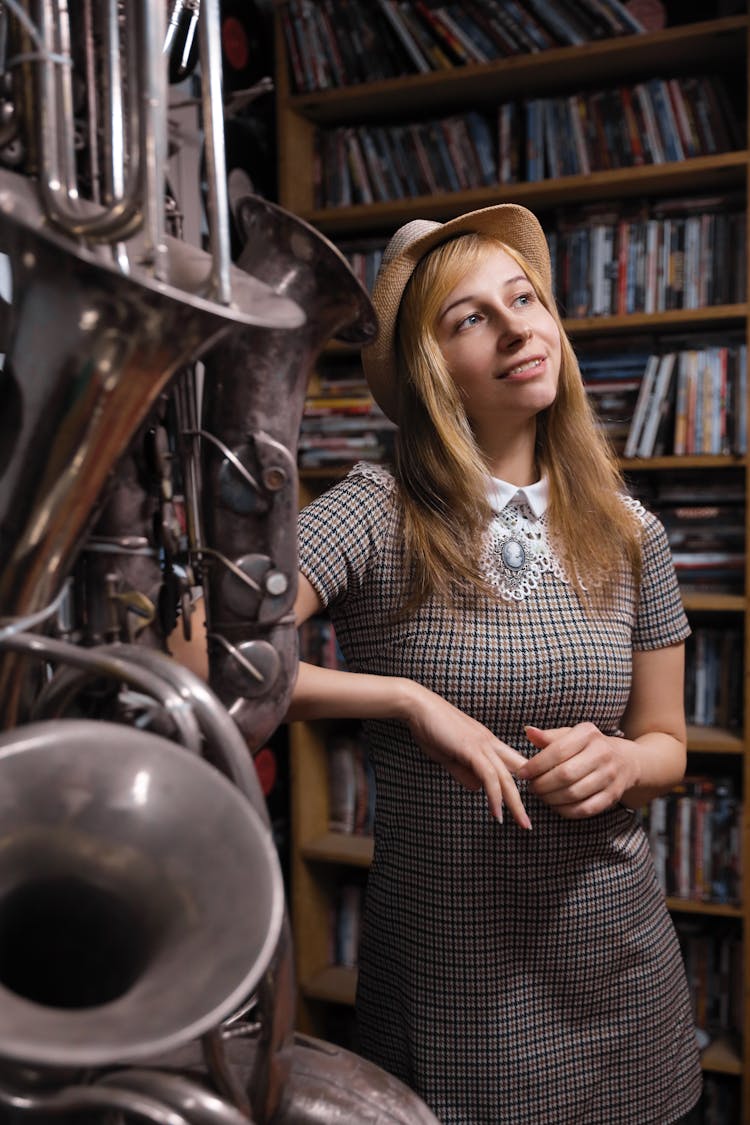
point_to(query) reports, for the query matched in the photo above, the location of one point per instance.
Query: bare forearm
(466, 748)
(326, 693)
(661, 760)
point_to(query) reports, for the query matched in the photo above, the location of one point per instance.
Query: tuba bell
(249, 458)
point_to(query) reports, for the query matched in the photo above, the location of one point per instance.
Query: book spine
(475, 50)
(656, 149)
(630, 22)
(442, 35)
(483, 18)
(641, 406)
(392, 14)
(565, 31)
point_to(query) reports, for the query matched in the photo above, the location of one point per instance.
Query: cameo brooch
(517, 552)
(513, 554)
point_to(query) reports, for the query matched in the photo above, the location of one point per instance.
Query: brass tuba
(104, 309)
(145, 958)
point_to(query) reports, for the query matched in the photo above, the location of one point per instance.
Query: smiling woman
(487, 380)
(513, 634)
(500, 343)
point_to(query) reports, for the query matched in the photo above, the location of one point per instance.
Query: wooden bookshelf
(704, 173)
(676, 49)
(319, 857)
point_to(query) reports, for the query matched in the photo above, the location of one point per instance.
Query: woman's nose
(513, 332)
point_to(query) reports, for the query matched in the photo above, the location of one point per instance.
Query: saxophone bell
(248, 471)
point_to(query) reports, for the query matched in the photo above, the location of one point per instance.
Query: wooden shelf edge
(722, 1056)
(695, 602)
(711, 909)
(336, 984)
(714, 740)
(699, 173)
(659, 321)
(702, 461)
(340, 847)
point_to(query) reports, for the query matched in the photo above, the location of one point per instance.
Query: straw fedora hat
(512, 224)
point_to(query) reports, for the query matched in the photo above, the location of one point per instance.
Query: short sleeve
(661, 618)
(342, 532)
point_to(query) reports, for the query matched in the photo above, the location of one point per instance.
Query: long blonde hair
(442, 473)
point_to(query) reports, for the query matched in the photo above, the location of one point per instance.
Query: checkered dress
(508, 976)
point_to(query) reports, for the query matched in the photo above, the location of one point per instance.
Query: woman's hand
(469, 751)
(579, 771)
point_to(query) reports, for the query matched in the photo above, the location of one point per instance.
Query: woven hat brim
(514, 225)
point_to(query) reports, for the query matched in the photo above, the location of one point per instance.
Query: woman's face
(500, 343)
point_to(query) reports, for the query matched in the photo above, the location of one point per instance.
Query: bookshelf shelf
(323, 475)
(704, 173)
(674, 319)
(334, 984)
(321, 860)
(722, 1057)
(607, 60)
(712, 909)
(692, 461)
(339, 847)
(713, 603)
(712, 740)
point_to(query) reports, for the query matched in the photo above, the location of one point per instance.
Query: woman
(513, 630)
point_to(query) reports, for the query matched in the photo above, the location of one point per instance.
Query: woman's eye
(468, 321)
(523, 299)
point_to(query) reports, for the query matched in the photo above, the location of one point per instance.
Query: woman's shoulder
(647, 519)
(365, 482)
(372, 474)
(364, 496)
(655, 546)
(345, 532)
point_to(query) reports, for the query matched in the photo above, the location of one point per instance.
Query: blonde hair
(441, 471)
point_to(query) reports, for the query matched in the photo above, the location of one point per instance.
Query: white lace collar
(517, 550)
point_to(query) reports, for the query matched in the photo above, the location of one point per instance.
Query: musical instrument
(145, 953)
(249, 462)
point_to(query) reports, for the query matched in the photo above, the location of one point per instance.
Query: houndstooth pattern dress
(510, 977)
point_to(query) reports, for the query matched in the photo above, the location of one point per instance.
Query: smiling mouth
(520, 368)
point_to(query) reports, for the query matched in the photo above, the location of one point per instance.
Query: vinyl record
(250, 164)
(246, 42)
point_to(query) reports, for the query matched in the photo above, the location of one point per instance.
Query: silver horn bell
(130, 918)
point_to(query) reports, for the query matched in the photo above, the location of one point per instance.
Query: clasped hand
(578, 771)
(468, 751)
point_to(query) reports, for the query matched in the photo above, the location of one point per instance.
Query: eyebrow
(470, 297)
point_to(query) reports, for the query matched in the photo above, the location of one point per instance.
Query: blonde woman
(514, 641)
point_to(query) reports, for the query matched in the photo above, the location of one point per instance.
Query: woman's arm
(581, 772)
(466, 748)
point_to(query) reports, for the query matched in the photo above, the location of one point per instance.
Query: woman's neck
(516, 466)
(512, 457)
